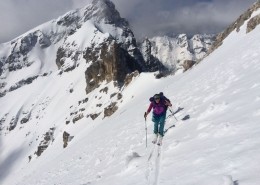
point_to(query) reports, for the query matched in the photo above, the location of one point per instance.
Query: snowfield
(215, 140)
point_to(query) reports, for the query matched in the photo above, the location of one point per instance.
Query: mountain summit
(95, 35)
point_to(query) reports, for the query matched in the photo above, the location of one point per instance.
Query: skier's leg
(156, 124)
(155, 130)
(161, 129)
(161, 124)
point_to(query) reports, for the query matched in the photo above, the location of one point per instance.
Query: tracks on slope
(153, 165)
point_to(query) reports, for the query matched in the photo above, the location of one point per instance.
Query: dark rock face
(22, 83)
(94, 116)
(69, 19)
(111, 109)
(19, 84)
(252, 23)
(105, 89)
(2, 93)
(2, 85)
(114, 63)
(119, 96)
(188, 64)
(1, 68)
(59, 59)
(25, 117)
(47, 139)
(27, 43)
(18, 57)
(24, 120)
(151, 63)
(65, 139)
(77, 117)
(83, 101)
(2, 120)
(14, 120)
(129, 78)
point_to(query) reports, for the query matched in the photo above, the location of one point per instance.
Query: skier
(159, 103)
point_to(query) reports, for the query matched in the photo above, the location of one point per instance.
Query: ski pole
(173, 114)
(145, 128)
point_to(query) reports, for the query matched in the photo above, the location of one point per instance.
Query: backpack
(159, 108)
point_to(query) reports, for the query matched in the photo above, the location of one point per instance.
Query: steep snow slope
(215, 140)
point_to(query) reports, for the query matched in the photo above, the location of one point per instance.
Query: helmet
(156, 96)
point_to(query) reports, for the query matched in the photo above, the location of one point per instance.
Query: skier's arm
(148, 110)
(168, 103)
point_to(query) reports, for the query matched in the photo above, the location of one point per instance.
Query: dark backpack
(162, 97)
(161, 103)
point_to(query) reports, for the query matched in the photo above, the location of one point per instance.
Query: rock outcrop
(252, 23)
(111, 63)
(66, 139)
(47, 139)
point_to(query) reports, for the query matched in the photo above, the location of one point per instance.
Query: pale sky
(146, 17)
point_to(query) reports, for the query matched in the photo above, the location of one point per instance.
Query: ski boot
(155, 138)
(160, 140)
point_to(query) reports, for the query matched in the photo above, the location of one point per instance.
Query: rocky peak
(104, 10)
(98, 11)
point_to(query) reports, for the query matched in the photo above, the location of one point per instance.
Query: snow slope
(215, 140)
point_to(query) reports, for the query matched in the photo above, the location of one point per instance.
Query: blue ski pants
(159, 122)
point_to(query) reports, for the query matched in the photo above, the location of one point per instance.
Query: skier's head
(156, 97)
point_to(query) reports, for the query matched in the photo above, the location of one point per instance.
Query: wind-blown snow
(215, 140)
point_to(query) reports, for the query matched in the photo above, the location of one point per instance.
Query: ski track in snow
(157, 166)
(153, 165)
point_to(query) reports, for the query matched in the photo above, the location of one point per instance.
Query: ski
(151, 153)
(159, 151)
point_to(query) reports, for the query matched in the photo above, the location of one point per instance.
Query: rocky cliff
(175, 53)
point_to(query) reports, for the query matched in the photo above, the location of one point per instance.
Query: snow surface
(215, 140)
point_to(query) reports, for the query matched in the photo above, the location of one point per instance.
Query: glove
(168, 103)
(145, 115)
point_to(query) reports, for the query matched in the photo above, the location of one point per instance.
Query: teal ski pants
(159, 122)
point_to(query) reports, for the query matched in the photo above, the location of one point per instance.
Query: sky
(146, 17)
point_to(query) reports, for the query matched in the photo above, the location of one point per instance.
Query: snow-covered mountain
(176, 53)
(66, 119)
(94, 36)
